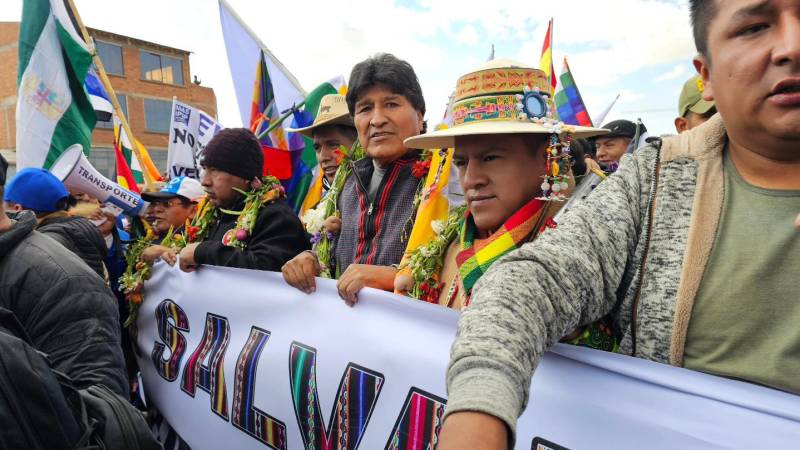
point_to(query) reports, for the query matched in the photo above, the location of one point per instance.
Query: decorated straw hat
(500, 97)
(332, 111)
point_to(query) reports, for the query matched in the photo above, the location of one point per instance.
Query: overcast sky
(639, 48)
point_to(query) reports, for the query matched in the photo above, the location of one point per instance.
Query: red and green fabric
(289, 157)
(475, 258)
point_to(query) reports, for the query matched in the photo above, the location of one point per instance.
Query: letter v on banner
(419, 423)
(211, 377)
(245, 416)
(355, 400)
(171, 336)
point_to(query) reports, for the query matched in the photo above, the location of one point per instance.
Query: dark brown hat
(236, 151)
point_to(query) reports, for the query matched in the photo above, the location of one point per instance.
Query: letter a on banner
(171, 336)
(211, 377)
(355, 400)
(419, 423)
(245, 416)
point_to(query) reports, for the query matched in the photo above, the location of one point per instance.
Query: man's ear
(680, 125)
(703, 67)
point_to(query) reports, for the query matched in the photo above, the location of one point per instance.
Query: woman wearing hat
(513, 166)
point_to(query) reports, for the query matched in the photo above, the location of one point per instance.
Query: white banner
(237, 359)
(190, 130)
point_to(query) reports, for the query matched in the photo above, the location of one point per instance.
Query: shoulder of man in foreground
(531, 297)
(67, 310)
(569, 276)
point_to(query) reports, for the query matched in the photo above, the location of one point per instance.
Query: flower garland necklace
(314, 219)
(264, 191)
(426, 261)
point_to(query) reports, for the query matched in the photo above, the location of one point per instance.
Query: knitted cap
(236, 151)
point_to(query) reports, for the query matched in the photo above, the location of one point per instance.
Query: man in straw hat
(333, 127)
(376, 202)
(510, 156)
(692, 242)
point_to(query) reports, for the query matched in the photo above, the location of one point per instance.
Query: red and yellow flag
(546, 60)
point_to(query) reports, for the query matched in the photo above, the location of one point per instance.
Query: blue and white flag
(98, 96)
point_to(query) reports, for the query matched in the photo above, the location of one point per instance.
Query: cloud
(317, 39)
(468, 35)
(676, 72)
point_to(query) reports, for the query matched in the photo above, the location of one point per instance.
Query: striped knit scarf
(474, 260)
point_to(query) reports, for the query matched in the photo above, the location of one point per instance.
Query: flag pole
(280, 120)
(101, 71)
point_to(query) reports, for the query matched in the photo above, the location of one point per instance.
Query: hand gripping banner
(238, 359)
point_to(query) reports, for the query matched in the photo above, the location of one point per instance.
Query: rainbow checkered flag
(568, 101)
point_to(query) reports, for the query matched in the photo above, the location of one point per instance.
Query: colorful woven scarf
(474, 260)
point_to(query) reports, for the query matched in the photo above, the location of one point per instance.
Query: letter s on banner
(355, 400)
(245, 416)
(171, 336)
(211, 377)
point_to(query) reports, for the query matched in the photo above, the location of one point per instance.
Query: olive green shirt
(745, 323)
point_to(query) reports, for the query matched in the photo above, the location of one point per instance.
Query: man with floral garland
(692, 243)
(266, 235)
(501, 162)
(375, 206)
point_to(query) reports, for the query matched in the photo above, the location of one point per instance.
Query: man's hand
(188, 264)
(300, 272)
(155, 252)
(359, 276)
(332, 224)
(797, 222)
(473, 430)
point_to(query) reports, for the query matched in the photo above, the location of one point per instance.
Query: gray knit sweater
(607, 254)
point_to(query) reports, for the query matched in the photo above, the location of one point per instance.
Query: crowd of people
(685, 254)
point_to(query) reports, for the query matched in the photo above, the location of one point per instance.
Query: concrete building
(145, 75)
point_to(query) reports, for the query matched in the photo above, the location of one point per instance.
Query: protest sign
(238, 359)
(189, 131)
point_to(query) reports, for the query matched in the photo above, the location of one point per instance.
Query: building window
(111, 55)
(104, 160)
(163, 69)
(157, 115)
(123, 104)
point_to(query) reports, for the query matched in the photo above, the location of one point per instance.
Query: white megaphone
(77, 173)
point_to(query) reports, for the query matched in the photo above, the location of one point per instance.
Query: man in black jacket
(40, 191)
(233, 161)
(68, 312)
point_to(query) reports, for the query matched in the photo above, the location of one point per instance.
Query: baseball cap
(691, 98)
(38, 190)
(182, 186)
(622, 128)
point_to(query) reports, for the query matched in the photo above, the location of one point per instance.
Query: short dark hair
(702, 12)
(344, 130)
(385, 69)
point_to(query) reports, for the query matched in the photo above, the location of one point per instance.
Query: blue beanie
(37, 190)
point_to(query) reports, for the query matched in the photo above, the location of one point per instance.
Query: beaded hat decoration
(506, 97)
